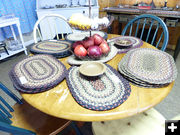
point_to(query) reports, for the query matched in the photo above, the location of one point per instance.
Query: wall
(105, 3)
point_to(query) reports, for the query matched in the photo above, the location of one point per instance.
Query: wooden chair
(56, 27)
(148, 22)
(23, 119)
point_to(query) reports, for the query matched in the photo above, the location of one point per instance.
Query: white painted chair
(150, 122)
(56, 25)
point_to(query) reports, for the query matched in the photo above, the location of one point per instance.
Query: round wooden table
(58, 101)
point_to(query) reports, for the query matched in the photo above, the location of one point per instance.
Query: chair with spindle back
(23, 119)
(56, 26)
(148, 21)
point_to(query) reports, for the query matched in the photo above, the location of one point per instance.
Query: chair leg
(177, 49)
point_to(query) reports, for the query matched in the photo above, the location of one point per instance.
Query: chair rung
(8, 92)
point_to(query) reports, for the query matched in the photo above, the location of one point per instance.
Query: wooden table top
(58, 101)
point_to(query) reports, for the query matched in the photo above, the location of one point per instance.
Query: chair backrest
(51, 26)
(5, 109)
(153, 24)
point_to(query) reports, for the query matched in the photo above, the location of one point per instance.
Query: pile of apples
(93, 47)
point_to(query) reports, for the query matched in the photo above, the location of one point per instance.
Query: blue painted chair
(23, 119)
(153, 24)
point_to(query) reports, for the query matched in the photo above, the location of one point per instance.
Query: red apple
(76, 43)
(80, 51)
(88, 41)
(94, 52)
(97, 39)
(104, 47)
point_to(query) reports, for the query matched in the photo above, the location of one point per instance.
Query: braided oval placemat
(57, 48)
(136, 43)
(37, 73)
(151, 67)
(98, 93)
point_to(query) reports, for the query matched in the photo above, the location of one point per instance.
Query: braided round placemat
(136, 43)
(37, 73)
(100, 93)
(57, 48)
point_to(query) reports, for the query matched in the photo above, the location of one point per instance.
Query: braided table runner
(37, 73)
(57, 48)
(136, 43)
(98, 93)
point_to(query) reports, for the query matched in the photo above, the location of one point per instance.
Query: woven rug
(72, 60)
(101, 93)
(148, 67)
(136, 43)
(57, 48)
(37, 73)
(82, 35)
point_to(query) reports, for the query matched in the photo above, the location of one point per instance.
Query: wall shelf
(10, 21)
(11, 53)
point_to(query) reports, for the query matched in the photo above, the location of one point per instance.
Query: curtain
(24, 10)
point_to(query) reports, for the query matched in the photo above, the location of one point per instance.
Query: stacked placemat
(56, 48)
(98, 93)
(148, 67)
(37, 73)
(126, 43)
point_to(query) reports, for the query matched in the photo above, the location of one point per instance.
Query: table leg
(120, 25)
(177, 49)
(78, 132)
(109, 29)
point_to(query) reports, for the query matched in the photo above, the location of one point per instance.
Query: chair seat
(27, 117)
(150, 122)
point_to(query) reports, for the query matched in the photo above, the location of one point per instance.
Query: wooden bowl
(92, 68)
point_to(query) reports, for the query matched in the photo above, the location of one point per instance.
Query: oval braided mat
(98, 93)
(57, 48)
(148, 67)
(37, 73)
